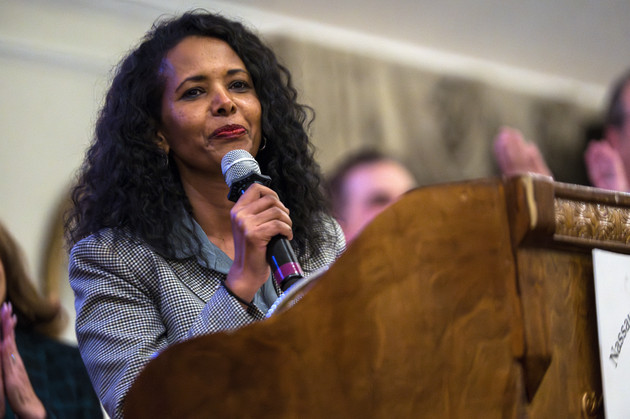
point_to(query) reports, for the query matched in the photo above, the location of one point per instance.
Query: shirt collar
(191, 241)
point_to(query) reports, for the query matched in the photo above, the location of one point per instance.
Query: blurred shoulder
(28, 341)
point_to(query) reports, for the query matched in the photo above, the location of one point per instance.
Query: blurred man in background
(363, 185)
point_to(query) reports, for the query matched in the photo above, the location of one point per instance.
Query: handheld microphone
(240, 170)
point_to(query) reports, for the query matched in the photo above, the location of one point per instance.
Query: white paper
(612, 296)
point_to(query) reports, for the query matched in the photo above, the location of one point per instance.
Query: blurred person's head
(617, 120)
(363, 185)
(32, 310)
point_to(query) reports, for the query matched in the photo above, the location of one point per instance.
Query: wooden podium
(464, 300)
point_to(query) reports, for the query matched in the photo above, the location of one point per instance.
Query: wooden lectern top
(463, 300)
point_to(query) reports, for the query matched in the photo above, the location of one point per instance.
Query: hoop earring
(165, 160)
(264, 143)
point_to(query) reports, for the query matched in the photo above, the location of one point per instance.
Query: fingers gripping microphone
(240, 170)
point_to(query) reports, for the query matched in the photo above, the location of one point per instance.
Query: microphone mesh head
(236, 164)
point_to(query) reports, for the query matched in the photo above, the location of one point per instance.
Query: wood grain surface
(463, 300)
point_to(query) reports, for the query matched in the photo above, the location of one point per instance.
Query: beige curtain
(442, 127)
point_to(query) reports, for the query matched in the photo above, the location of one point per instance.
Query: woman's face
(209, 106)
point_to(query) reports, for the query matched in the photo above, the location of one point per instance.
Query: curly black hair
(124, 182)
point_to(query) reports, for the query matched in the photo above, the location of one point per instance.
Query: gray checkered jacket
(132, 302)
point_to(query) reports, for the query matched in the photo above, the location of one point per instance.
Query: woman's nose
(222, 103)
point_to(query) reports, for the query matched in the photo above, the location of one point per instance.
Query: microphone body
(241, 170)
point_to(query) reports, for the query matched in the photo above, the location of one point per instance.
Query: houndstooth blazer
(132, 302)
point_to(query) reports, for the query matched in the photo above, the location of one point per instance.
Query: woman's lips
(229, 131)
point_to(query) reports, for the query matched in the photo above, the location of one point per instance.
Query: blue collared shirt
(196, 244)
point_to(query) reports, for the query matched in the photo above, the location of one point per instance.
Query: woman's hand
(257, 216)
(605, 167)
(14, 379)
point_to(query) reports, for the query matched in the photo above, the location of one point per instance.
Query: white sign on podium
(612, 296)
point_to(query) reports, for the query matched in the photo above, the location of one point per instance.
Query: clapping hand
(514, 155)
(605, 167)
(14, 380)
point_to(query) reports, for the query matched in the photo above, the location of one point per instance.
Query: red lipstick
(229, 131)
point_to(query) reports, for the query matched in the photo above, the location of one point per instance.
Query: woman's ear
(162, 143)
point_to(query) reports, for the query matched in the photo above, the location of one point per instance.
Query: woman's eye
(192, 93)
(239, 85)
